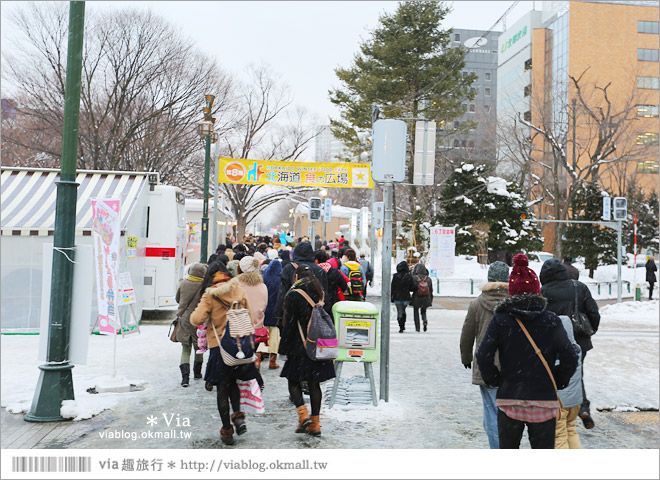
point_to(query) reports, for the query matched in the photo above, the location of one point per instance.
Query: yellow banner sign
(264, 172)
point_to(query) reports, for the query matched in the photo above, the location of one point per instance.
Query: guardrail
(599, 287)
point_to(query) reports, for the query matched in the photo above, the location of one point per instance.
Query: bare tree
(141, 94)
(266, 126)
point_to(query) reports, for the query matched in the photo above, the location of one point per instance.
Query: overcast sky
(303, 41)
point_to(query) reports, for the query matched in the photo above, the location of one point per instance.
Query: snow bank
(641, 314)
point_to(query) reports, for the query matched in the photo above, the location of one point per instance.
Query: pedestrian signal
(315, 209)
(620, 209)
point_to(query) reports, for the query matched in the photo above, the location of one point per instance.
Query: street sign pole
(375, 111)
(619, 228)
(385, 296)
(214, 225)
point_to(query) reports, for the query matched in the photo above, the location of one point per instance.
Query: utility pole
(385, 295)
(55, 379)
(375, 112)
(214, 224)
(206, 130)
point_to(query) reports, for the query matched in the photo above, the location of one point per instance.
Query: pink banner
(106, 231)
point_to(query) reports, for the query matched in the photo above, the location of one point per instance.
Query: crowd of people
(519, 335)
(265, 277)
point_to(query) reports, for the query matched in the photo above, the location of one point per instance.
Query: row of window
(487, 75)
(647, 54)
(472, 108)
(647, 82)
(647, 27)
(648, 111)
(647, 166)
(648, 138)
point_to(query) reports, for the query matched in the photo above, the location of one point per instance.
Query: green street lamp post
(206, 130)
(55, 379)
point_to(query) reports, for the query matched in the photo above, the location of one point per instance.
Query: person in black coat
(272, 281)
(285, 256)
(402, 284)
(651, 268)
(421, 274)
(299, 367)
(559, 290)
(573, 273)
(526, 394)
(336, 280)
(219, 255)
(302, 255)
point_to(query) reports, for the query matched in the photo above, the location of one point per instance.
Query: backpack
(237, 343)
(355, 280)
(422, 287)
(321, 342)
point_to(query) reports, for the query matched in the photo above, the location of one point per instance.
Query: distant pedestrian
(368, 271)
(479, 314)
(285, 256)
(573, 273)
(187, 296)
(527, 393)
(299, 367)
(212, 308)
(651, 268)
(566, 435)
(422, 294)
(560, 292)
(272, 280)
(356, 276)
(402, 284)
(337, 281)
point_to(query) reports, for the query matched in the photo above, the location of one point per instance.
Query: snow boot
(238, 419)
(273, 362)
(587, 421)
(197, 370)
(227, 436)
(315, 428)
(257, 361)
(425, 326)
(303, 419)
(185, 374)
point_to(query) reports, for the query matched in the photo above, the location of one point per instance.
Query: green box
(357, 331)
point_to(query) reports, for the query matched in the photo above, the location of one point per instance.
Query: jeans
(416, 316)
(401, 314)
(541, 435)
(585, 401)
(488, 395)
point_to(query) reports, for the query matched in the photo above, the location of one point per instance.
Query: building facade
(327, 147)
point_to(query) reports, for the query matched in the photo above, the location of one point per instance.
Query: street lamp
(206, 130)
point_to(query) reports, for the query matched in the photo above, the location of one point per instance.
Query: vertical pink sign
(106, 231)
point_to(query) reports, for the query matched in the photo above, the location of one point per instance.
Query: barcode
(51, 464)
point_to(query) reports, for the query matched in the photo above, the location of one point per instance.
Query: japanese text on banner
(443, 250)
(264, 172)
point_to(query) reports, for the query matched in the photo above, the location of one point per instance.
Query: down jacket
(419, 272)
(521, 375)
(479, 313)
(402, 283)
(187, 296)
(571, 396)
(272, 281)
(559, 290)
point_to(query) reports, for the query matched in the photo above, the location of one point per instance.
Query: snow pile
(639, 314)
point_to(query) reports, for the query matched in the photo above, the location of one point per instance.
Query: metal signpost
(389, 161)
(327, 215)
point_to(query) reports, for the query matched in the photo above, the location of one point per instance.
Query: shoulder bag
(545, 364)
(581, 324)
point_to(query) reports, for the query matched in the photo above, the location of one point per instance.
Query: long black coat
(302, 255)
(297, 310)
(420, 272)
(402, 283)
(272, 281)
(336, 282)
(521, 375)
(559, 290)
(650, 271)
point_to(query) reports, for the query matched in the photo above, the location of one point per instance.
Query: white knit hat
(273, 254)
(248, 264)
(260, 257)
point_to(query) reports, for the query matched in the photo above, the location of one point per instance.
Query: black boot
(185, 374)
(197, 369)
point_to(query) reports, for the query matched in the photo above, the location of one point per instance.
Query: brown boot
(227, 436)
(257, 362)
(303, 419)
(315, 428)
(273, 361)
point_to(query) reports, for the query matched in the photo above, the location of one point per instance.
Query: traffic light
(315, 204)
(620, 209)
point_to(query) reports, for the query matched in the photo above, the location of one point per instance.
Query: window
(527, 116)
(487, 76)
(647, 166)
(457, 37)
(465, 73)
(487, 107)
(647, 82)
(649, 111)
(471, 144)
(487, 91)
(528, 90)
(474, 109)
(442, 125)
(647, 27)
(528, 64)
(456, 123)
(465, 106)
(457, 143)
(647, 138)
(647, 54)
(463, 143)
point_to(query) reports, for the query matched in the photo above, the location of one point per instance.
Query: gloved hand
(468, 365)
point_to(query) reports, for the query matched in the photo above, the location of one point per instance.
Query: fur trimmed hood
(225, 289)
(526, 307)
(250, 278)
(490, 286)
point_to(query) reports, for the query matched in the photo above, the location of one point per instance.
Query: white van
(165, 246)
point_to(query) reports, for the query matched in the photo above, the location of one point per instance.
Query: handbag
(545, 364)
(237, 344)
(174, 326)
(261, 335)
(581, 324)
(251, 399)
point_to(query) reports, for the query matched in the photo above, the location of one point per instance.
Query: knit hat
(273, 254)
(498, 272)
(260, 257)
(523, 279)
(249, 264)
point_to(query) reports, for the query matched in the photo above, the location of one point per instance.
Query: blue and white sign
(607, 208)
(327, 210)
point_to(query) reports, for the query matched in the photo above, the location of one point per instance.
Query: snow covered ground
(432, 401)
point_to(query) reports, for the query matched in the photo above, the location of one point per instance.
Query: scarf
(193, 278)
(221, 277)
